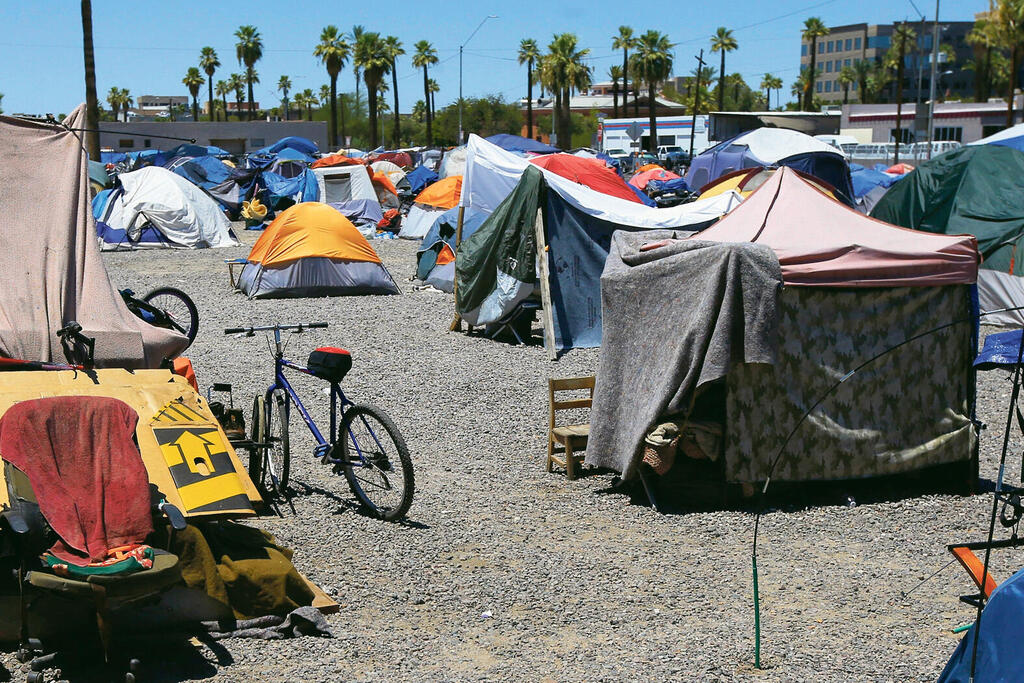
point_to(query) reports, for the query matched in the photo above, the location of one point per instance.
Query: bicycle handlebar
(298, 327)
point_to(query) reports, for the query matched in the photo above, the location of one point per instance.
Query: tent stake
(457, 320)
(545, 286)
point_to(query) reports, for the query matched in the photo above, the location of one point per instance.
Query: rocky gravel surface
(506, 573)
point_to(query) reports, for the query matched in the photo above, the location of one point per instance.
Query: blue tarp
(1000, 657)
(229, 186)
(148, 237)
(641, 195)
(1000, 350)
(301, 188)
(289, 154)
(867, 179)
(99, 203)
(364, 213)
(515, 143)
(112, 157)
(419, 178)
(443, 232)
(302, 145)
(674, 185)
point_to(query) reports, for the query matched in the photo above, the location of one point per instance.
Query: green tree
(814, 28)
(484, 116)
(625, 41)
(903, 39)
(722, 42)
(310, 99)
(847, 77)
(372, 57)
(333, 52)
(564, 69)
(352, 37)
(528, 55)
(394, 50)
(433, 88)
(983, 38)
(209, 63)
(615, 73)
(284, 85)
(194, 80)
(237, 82)
(862, 72)
(92, 107)
(249, 50)
(222, 90)
(769, 83)
(114, 100)
(653, 65)
(1007, 18)
(424, 57)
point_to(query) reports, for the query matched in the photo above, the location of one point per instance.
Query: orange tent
(311, 229)
(337, 160)
(649, 167)
(383, 180)
(443, 194)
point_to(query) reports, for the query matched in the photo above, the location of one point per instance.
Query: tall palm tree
(372, 57)
(799, 86)
(624, 40)
(114, 100)
(653, 65)
(419, 111)
(1007, 18)
(222, 90)
(847, 77)
(615, 73)
(209, 62)
(766, 85)
(284, 85)
(310, 99)
(528, 54)
(424, 57)
(395, 50)
(433, 88)
(814, 28)
(324, 98)
(352, 37)
(563, 70)
(333, 51)
(862, 72)
(249, 50)
(193, 81)
(903, 38)
(722, 42)
(237, 83)
(92, 106)
(983, 37)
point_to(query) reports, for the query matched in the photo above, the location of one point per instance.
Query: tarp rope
(782, 449)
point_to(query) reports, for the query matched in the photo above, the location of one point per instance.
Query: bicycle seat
(329, 363)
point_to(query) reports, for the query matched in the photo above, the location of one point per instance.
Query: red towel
(85, 469)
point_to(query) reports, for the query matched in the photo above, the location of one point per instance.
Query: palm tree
(776, 85)
(984, 38)
(352, 37)
(92, 107)
(395, 50)
(799, 87)
(126, 101)
(528, 55)
(722, 42)
(425, 56)
(249, 50)
(309, 99)
(193, 81)
(1007, 18)
(624, 40)
(862, 73)
(419, 111)
(324, 98)
(114, 100)
(433, 88)
(284, 85)
(653, 65)
(372, 57)
(237, 83)
(847, 77)
(766, 85)
(814, 28)
(562, 70)
(222, 89)
(209, 62)
(903, 37)
(333, 51)
(615, 73)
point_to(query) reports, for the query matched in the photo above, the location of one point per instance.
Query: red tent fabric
(900, 169)
(640, 180)
(590, 172)
(822, 243)
(399, 158)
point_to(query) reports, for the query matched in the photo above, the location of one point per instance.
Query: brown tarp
(51, 271)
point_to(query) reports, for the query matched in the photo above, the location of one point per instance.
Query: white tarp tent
(185, 215)
(417, 222)
(344, 183)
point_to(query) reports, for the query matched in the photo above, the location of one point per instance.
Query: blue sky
(147, 46)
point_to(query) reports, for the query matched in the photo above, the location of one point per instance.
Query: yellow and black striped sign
(178, 411)
(199, 464)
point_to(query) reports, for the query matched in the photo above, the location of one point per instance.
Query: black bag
(329, 363)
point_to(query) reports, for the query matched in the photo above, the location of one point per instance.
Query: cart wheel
(182, 311)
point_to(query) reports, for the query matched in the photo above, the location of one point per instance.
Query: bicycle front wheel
(180, 309)
(376, 462)
(277, 455)
(258, 435)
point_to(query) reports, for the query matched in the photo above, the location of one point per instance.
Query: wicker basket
(661, 458)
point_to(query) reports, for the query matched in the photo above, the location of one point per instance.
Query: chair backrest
(556, 386)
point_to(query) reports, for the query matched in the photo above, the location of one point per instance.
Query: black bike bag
(329, 363)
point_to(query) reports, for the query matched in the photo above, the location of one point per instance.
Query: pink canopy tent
(822, 243)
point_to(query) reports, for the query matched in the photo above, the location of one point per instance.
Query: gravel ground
(505, 572)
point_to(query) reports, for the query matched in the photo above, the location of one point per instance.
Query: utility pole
(489, 16)
(696, 101)
(931, 84)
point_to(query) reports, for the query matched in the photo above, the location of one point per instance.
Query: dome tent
(429, 205)
(312, 250)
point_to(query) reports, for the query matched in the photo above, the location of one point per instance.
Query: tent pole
(457, 320)
(545, 286)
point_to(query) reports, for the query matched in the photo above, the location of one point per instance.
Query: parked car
(673, 156)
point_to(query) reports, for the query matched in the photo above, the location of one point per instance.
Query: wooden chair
(567, 439)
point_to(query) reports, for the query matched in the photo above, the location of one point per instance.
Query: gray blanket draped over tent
(659, 348)
(51, 263)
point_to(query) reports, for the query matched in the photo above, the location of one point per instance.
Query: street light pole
(489, 16)
(931, 84)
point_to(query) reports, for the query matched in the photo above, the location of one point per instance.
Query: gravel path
(508, 573)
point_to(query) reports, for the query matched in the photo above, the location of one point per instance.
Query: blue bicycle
(363, 442)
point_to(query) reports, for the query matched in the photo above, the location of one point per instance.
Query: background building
(846, 45)
(237, 137)
(961, 122)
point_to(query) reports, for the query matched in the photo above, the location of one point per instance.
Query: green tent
(975, 190)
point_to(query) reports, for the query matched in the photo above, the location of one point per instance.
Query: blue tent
(1011, 137)
(674, 185)
(363, 213)
(112, 157)
(287, 191)
(515, 143)
(229, 186)
(419, 178)
(440, 235)
(290, 154)
(866, 179)
(115, 239)
(1000, 657)
(302, 145)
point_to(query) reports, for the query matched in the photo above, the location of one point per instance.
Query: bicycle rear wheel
(277, 455)
(257, 433)
(376, 462)
(180, 309)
